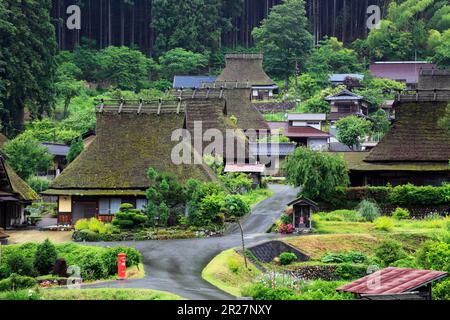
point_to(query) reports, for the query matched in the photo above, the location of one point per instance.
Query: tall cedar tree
(285, 39)
(27, 51)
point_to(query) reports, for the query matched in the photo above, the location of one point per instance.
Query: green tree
(67, 85)
(27, 156)
(124, 67)
(174, 27)
(76, 148)
(45, 257)
(180, 61)
(352, 130)
(27, 59)
(381, 122)
(284, 38)
(317, 173)
(332, 57)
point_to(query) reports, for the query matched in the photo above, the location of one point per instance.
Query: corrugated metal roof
(272, 149)
(297, 132)
(189, 82)
(307, 117)
(56, 149)
(392, 281)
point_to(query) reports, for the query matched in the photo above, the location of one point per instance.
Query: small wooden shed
(303, 209)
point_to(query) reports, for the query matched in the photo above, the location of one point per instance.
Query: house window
(344, 109)
(141, 203)
(109, 205)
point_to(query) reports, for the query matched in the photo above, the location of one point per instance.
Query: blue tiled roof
(189, 82)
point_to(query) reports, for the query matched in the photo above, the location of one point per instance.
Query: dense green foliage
(352, 131)
(284, 38)
(27, 156)
(45, 257)
(368, 210)
(76, 148)
(318, 173)
(389, 251)
(27, 60)
(128, 217)
(287, 258)
(95, 262)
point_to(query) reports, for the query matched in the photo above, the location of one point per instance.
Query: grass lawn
(227, 272)
(316, 246)
(107, 294)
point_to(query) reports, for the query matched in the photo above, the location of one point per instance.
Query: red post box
(122, 266)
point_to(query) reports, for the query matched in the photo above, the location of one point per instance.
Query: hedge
(404, 195)
(95, 263)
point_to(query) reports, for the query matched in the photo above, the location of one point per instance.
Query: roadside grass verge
(228, 273)
(88, 294)
(252, 198)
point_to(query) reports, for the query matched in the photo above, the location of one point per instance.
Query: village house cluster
(132, 136)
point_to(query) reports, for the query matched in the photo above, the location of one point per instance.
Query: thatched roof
(355, 162)
(125, 146)
(245, 68)
(10, 182)
(239, 105)
(415, 135)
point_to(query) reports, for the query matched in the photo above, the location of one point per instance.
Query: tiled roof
(189, 82)
(407, 71)
(297, 132)
(392, 281)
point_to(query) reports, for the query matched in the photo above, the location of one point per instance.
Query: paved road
(176, 265)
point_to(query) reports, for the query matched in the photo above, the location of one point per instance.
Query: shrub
(401, 214)
(38, 184)
(285, 219)
(389, 251)
(347, 271)
(349, 257)
(45, 257)
(92, 266)
(236, 206)
(129, 218)
(434, 256)
(16, 282)
(287, 258)
(405, 263)
(236, 182)
(368, 210)
(261, 292)
(384, 224)
(17, 263)
(82, 224)
(134, 257)
(441, 290)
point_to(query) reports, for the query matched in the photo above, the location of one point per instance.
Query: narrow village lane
(176, 265)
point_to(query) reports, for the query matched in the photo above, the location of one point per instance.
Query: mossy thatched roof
(240, 106)
(11, 182)
(415, 135)
(126, 145)
(245, 68)
(355, 162)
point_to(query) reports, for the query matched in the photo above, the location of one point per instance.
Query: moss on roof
(19, 186)
(415, 135)
(239, 105)
(245, 68)
(94, 192)
(355, 162)
(126, 145)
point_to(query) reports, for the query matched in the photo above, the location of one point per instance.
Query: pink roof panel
(392, 281)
